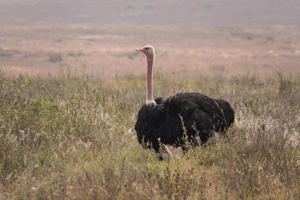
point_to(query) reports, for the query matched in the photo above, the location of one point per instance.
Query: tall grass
(73, 137)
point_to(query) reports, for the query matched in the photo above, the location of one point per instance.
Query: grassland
(72, 137)
(109, 50)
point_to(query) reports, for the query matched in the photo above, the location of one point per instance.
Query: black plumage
(200, 114)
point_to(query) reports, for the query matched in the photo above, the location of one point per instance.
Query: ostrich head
(148, 50)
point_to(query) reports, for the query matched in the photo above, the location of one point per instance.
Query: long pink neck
(149, 91)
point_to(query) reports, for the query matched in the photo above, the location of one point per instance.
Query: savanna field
(70, 95)
(72, 136)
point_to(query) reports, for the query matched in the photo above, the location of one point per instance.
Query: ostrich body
(163, 121)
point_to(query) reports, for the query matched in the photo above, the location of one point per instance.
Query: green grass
(73, 137)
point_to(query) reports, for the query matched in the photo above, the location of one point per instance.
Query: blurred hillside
(217, 12)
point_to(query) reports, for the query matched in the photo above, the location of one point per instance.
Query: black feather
(200, 114)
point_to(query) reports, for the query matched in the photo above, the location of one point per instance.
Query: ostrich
(164, 122)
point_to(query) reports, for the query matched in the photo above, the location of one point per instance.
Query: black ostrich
(163, 121)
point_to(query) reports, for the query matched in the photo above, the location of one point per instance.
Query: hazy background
(217, 12)
(195, 38)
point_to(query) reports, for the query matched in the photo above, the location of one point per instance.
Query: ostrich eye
(147, 48)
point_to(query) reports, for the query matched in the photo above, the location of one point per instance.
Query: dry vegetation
(67, 122)
(109, 50)
(72, 137)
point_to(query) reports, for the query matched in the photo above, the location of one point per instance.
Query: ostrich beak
(139, 50)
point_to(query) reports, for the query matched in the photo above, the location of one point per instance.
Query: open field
(67, 123)
(109, 50)
(72, 137)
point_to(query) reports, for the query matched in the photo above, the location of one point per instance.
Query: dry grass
(71, 137)
(109, 50)
(68, 134)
